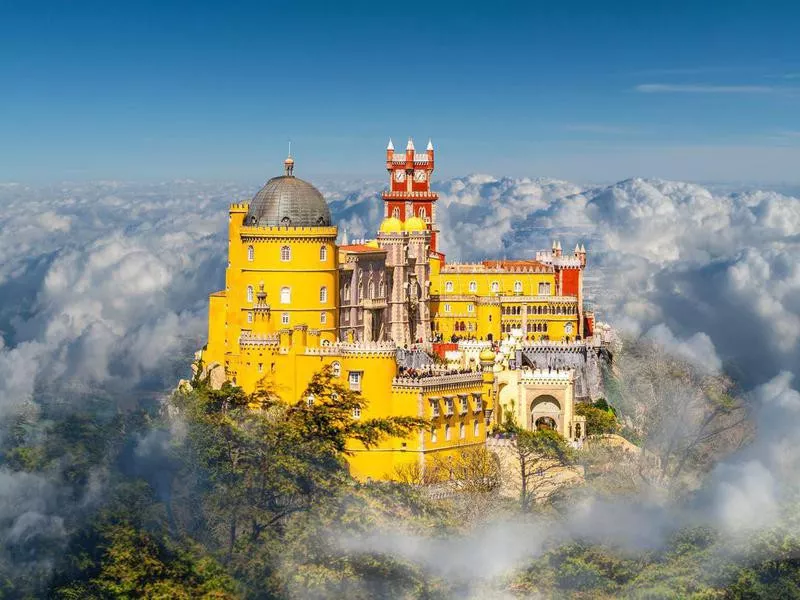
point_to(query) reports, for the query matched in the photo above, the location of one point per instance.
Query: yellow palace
(377, 311)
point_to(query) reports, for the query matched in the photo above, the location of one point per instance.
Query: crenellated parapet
(555, 345)
(250, 233)
(239, 207)
(251, 340)
(547, 376)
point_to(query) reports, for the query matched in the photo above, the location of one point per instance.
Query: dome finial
(288, 164)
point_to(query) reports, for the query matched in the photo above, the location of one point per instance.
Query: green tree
(598, 420)
(541, 456)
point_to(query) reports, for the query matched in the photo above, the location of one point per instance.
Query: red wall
(571, 282)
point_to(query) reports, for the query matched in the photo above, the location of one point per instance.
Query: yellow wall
(478, 294)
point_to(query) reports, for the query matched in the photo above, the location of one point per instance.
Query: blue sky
(581, 90)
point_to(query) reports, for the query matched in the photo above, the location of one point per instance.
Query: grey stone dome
(290, 202)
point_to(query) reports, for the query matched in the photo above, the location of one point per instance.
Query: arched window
(286, 253)
(323, 253)
(286, 295)
(381, 291)
(517, 287)
(462, 431)
(568, 328)
(249, 293)
(476, 431)
(495, 287)
(371, 289)
(251, 253)
(473, 286)
(323, 294)
(396, 212)
(448, 286)
(422, 214)
(336, 368)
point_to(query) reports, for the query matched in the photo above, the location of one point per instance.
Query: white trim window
(286, 254)
(336, 368)
(447, 432)
(495, 287)
(476, 428)
(249, 293)
(354, 379)
(478, 402)
(462, 430)
(286, 295)
(447, 308)
(251, 254)
(470, 308)
(448, 404)
(434, 436)
(473, 286)
(356, 412)
(284, 318)
(464, 405)
(249, 316)
(323, 318)
(323, 253)
(323, 294)
(448, 286)
(434, 407)
(517, 287)
(568, 328)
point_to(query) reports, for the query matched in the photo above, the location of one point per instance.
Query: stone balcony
(439, 379)
(373, 303)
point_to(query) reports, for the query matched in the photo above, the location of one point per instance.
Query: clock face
(399, 175)
(420, 176)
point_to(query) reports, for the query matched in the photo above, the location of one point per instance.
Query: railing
(373, 303)
(429, 380)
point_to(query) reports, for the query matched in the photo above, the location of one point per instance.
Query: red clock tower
(409, 194)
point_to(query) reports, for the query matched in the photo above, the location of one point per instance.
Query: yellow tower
(281, 280)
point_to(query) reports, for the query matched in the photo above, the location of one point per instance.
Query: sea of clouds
(104, 286)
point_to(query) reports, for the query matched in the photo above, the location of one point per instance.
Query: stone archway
(545, 423)
(545, 413)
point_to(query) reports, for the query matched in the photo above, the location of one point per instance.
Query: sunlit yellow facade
(488, 300)
(376, 311)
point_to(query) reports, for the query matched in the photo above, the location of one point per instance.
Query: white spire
(583, 248)
(558, 245)
(577, 248)
(345, 241)
(391, 145)
(430, 144)
(410, 145)
(554, 244)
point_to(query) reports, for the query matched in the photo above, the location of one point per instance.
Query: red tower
(409, 194)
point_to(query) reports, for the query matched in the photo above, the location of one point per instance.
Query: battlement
(389, 195)
(255, 232)
(547, 376)
(417, 158)
(239, 207)
(555, 345)
(248, 339)
(496, 266)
